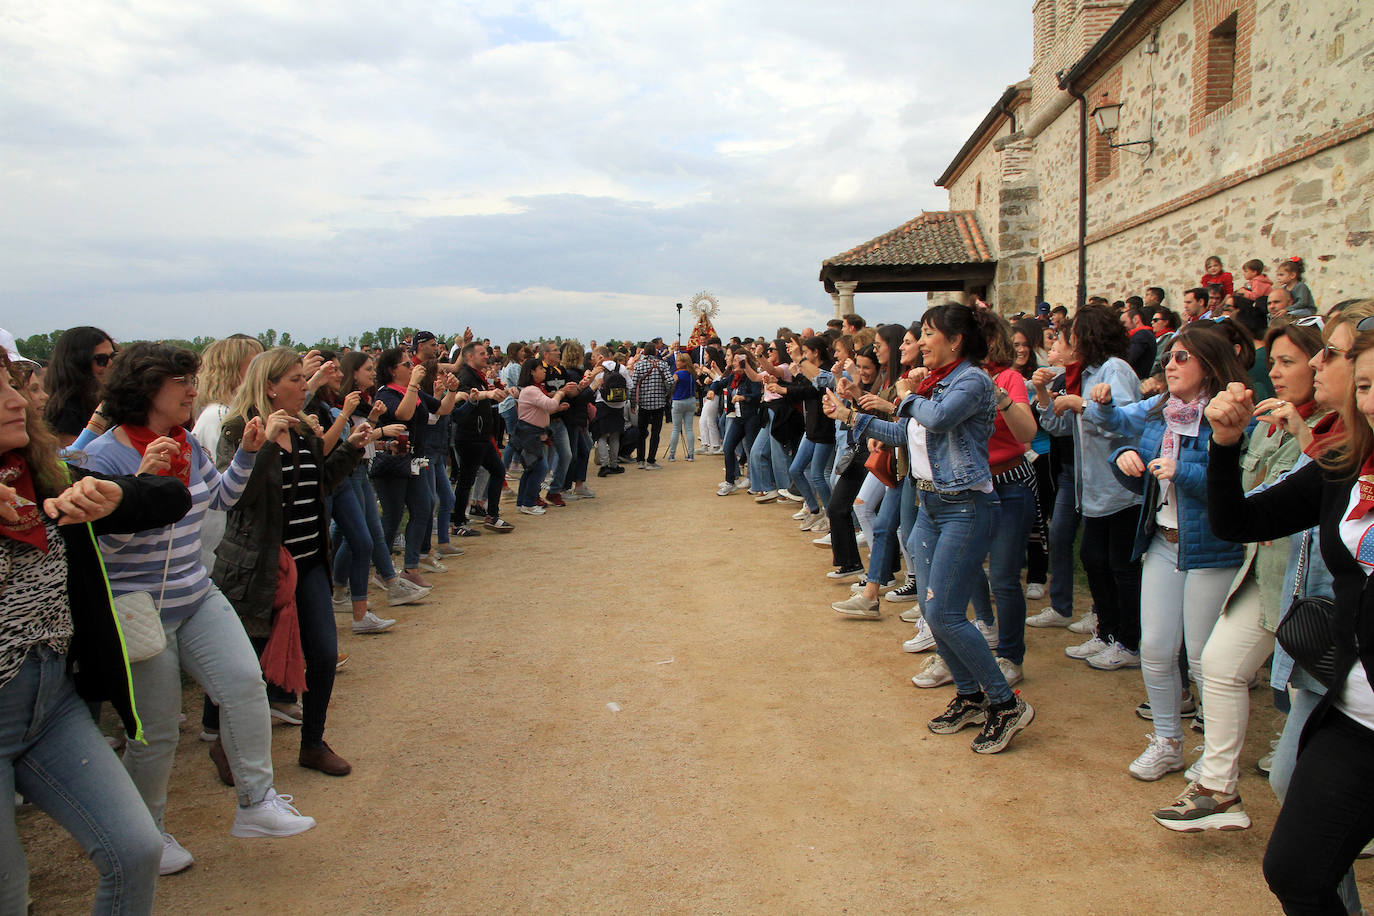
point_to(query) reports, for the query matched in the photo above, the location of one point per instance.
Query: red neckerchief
(1304, 410)
(1073, 378)
(399, 389)
(14, 472)
(1164, 333)
(1366, 485)
(935, 377)
(996, 369)
(1327, 428)
(735, 380)
(140, 437)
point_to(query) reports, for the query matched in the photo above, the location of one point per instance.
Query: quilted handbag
(1307, 632)
(140, 621)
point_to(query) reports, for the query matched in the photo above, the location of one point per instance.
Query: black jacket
(474, 421)
(248, 556)
(96, 658)
(1305, 498)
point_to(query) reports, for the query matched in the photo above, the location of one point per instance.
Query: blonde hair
(1347, 451)
(219, 370)
(865, 338)
(267, 367)
(573, 353)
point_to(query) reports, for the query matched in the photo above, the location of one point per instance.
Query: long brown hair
(49, 477)
(1347, 451)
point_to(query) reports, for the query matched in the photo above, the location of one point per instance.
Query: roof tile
(934, 237)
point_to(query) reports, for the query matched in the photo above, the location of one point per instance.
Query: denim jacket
(958, 418)
(1198, 548)
(1096, 490)
(1304, 553)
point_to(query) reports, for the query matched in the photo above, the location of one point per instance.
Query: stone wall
(1283, 170)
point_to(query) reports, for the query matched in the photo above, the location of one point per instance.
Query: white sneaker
(1194, 771)
(531, 510)
(1114, 657)
(1048, 617)
(1161, 756)
(908, 592)
(811, 520)
(726, 488)
(371, 623)
(767, 496)
(934, 674)
(432, 564)
(1011, 671)
(1085, 624)
(787, 494)
(1035, 591)
(403, 591)
(989, 633)
(923, 641)
(272, 817)
(839, 575)
(860, 538)
(585, 492)
(174, 857)
(822, 523)
(822, 541)
(857, 605)
(912, 614)
(742, 483)
(342, 600)
(801, 513)
(1087, 649)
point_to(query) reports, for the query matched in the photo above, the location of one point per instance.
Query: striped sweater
(134, 562)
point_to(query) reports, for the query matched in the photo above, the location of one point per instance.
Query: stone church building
(1245, 130)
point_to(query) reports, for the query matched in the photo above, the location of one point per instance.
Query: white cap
(11, 348)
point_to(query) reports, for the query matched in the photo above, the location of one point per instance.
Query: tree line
(40, 346)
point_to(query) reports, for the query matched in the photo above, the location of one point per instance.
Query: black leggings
(844, 544)
(651, 421)
(1326, 819)
(1113, 577)
(471, 456)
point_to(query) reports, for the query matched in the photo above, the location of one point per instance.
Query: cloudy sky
(173, 169)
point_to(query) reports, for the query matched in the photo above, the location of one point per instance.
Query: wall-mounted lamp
(1107, 115)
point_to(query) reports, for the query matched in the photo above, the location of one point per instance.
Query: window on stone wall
(1220, 85)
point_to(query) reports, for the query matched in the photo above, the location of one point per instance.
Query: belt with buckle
(929, 487)
(1170, 534)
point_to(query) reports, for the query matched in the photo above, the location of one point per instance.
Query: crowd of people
(1214, 467)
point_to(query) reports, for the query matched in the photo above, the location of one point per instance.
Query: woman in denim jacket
(946, 425)
(1109, 509)
(1187, 570)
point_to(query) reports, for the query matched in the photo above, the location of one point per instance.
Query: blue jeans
(52, 752)
(559, 454)
(761, 475)
(809, 470)
(527, 494)
(683, 412)
(441, 496)
(734, 435)
(1063, 529)
(949, 542)
(1011, 525)
(892, 532)
(362, 545)
(400, 494)
(581, 442)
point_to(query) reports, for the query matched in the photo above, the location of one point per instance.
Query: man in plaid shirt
(652, 381)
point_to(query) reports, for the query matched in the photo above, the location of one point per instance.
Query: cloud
(591, 156)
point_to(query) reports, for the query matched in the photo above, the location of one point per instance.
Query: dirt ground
(643, 703)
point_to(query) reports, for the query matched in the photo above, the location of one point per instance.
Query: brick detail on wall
(1102, 159)
(1344, 134)
(1221, 60)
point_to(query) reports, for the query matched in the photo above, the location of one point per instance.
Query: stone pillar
(844, 302)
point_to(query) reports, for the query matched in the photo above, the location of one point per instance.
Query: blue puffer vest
(1198, 548)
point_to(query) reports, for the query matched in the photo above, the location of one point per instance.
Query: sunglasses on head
(1176, 356)
(1313, 321)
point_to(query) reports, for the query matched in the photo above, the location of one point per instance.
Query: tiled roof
(939, 237)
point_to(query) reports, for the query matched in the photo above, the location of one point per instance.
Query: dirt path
(767, 756)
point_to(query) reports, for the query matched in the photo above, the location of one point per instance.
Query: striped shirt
(300, 500)
(134, 562)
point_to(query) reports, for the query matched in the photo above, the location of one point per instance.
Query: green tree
(268, 338)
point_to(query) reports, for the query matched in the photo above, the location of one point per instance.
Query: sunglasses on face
(1176, 356)
(102, 359)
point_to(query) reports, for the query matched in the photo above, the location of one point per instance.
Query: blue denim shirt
(958, 418)
(1097, 493)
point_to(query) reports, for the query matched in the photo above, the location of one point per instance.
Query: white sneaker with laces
(988, 632)
(767, 496)
(174, 857)
(1035, 591)
(935, 674)
(1113, 658)
(822, 523)
(801, 513)
(532, 510)
(784, 493)
(923, 641)
(1011, 671)
(726, 488)
(908, 592)
(1048, 617)
(1087, 649)
(1085, 624)
(1161, 756)
(272, 817)
(371, 623)
(822, 541)
(912, 614)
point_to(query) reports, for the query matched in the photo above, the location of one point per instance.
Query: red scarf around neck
(14, 473)
(140, 437)
(1073, 378)
(1327, 428)
(935, 377)
(1366, 490)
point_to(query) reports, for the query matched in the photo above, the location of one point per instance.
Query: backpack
(614, 391)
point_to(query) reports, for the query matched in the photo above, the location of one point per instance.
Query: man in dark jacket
(474, 426)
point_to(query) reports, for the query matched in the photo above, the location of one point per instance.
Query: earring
(271, 395)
